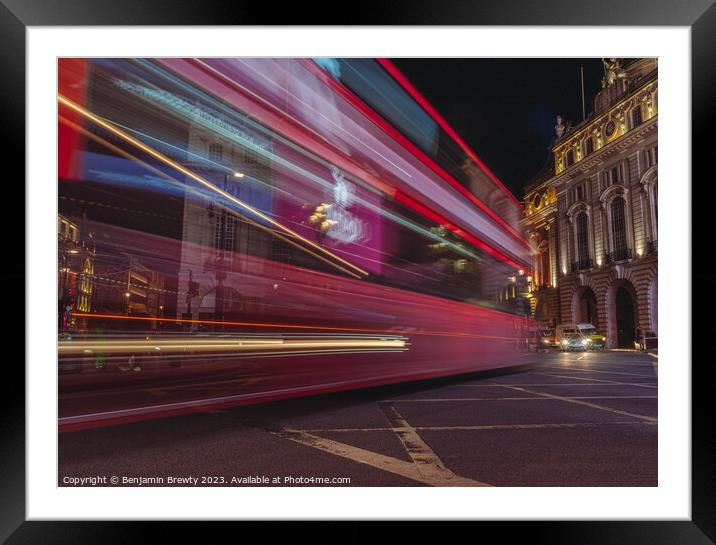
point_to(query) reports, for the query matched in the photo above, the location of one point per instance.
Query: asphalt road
(565, 419)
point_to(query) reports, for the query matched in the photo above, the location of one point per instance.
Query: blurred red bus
(242, 230)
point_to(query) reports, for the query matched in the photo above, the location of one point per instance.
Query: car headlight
(585, 342)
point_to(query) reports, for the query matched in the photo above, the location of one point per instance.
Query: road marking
(428, 463)
(596, 371)
(586, 404)
(533, 398)
(655, 364)
(494, 427)
(409, 470)
(607, 382)
(497, 384)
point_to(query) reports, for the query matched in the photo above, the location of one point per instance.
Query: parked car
(548, 338)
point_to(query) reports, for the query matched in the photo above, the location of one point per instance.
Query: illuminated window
(83, 301)
(589, 146)
(569, 158)
(636, 116)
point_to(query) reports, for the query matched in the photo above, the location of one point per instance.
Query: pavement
(561, 419)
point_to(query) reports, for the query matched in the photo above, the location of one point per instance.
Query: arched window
(620, 249)
(582, 239)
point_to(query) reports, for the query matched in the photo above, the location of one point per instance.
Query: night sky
(506, 109)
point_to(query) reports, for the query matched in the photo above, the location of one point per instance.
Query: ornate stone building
(217, 242)
(592, 215)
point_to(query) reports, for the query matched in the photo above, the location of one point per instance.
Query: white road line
(530, 385)
(655, 364)
(599, 359)
(586, 404)
(607, 382)
(533, 398)
(428, 464)
(581, 370)
(373, 459)
(89, 417)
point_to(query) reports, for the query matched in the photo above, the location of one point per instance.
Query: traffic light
(70, 297)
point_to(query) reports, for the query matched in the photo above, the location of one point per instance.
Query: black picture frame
(16, 15)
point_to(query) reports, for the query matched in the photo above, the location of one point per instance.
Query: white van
(594, 338)
(586, 331)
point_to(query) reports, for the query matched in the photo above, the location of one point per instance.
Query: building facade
(75, 275)
(592, 216)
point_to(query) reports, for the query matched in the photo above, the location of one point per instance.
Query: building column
(553, 264)
(602, 324)
(608, 304)
(537, 261)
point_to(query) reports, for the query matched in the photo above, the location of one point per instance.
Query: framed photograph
(251, 224)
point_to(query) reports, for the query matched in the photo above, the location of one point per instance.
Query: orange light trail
(238, 344)
(164, 175)
(166, 160)
(288, 326)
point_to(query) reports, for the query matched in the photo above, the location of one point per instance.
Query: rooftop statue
(612, 71)
(559, 128)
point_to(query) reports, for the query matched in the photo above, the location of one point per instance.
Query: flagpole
(584, 114)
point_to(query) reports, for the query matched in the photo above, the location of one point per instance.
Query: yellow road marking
(427, 462)
(493, 427)
(373, 459)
